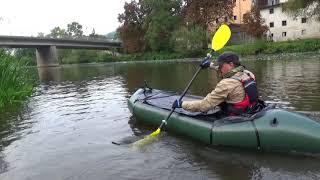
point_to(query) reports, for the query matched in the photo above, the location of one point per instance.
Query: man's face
(225, 68)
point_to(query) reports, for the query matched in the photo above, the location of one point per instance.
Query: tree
(96, 36)
(132, 32)
(189, 40)
(254, 24)
(162, 19)
(41, 35)
(74, 30)
(57, 32)
(206, 13)
(112, 35)
(307, 8)
(26, 54)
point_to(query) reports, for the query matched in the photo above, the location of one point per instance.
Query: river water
(64, 131)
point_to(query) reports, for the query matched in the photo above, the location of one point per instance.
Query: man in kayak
(235, 94)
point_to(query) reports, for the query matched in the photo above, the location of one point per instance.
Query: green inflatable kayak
(270, 129)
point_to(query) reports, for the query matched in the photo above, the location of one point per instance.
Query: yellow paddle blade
(147, 139)
(155, 133)
(221, 37)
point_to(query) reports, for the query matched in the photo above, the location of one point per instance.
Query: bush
(190, 41)
(275, 47)
(155, 56)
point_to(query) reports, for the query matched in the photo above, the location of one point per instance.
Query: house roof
(271, 6)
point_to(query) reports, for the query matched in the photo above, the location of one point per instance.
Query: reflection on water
(65, 130)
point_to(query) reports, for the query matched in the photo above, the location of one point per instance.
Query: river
(64, 131)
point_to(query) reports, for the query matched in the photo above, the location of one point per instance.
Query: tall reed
(15, 82)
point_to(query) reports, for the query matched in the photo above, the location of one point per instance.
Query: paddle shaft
(183, 94)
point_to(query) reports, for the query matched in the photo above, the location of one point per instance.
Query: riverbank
(93, 56)
(263, 47)
(259, 48)
(16, 83)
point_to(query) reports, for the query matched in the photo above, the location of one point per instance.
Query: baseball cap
(226, 57)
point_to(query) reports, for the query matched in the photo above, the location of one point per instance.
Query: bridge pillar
(47, 56)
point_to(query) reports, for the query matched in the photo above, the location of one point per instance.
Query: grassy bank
(90, 56)
(15, 82)
(262, 47)
(259, 47)
(67, 56)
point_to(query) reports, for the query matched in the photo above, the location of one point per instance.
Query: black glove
(205, 63)
(177, 104)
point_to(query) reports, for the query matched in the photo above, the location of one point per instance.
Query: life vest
(249, 101)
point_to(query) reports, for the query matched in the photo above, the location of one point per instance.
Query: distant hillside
(112, 35)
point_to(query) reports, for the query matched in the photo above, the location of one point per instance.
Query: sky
(29, 17)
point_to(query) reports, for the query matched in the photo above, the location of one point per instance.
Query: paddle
(219, 40)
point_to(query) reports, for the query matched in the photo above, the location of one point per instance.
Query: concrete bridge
(46, 48)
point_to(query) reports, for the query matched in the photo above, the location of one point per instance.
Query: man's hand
(205, 63)
(177, 104)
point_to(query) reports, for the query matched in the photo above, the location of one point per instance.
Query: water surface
(64, 131)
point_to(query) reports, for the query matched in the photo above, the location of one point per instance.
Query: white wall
(293, 28)
(274, 2)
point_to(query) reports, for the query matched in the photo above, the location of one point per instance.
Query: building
(241, 7)
(283, 26)
(238, 35)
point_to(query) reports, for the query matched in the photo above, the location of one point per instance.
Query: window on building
(271, 11)
(234, 17)
(272, 2)
(303, 32)
(284, 34)
(225, 19)
(303, 20)
(284, 23)
(271, 24)
(217, 20)
(271, 36)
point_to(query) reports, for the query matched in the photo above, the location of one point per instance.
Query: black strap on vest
(250, 88)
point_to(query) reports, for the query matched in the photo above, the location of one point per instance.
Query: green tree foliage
(58, 32)
(41, 35)
(95, 36)
(190, 41)
(163, 18)
(27, 55)
(207, 13)
(149, 24)
(131, 31)
(74, 30)
(254, 24)
(112, 35)
(307, 8)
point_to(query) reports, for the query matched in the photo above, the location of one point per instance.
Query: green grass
(68, 56)
(15, 83)
(149, 56)
(262, 47)
(91, 56)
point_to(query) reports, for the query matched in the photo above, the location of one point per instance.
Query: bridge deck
(35, 42)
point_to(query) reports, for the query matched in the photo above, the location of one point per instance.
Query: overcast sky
(29, 17)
